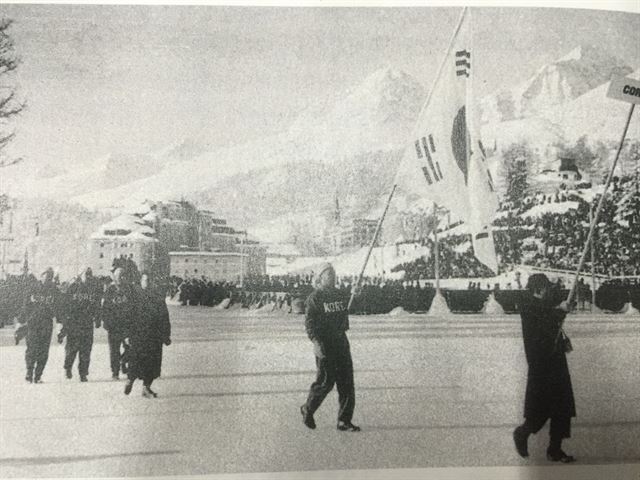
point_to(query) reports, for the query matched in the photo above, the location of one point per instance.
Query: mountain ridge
(376, 115)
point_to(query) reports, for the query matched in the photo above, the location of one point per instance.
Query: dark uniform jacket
(326, 315)
(149, 329)
(41, 305)
(82, 305)
(118, 309)
(549, 392)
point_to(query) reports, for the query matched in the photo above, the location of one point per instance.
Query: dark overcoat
(150, 328)
(41, 305)
(549, 392)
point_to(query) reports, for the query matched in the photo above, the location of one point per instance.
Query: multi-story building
(357, 233)
(153, 232)
(215, 266)
(125, 236)
(256, 256)
(214, 233)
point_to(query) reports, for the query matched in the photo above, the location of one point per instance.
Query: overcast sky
(135, 79)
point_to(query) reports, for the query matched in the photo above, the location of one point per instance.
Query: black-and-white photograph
(320, 241)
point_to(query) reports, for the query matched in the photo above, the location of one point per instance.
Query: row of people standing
(135, 317)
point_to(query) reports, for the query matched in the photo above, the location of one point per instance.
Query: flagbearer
(549, 393)
(326, 322)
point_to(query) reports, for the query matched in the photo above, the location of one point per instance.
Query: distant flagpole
(436, 250)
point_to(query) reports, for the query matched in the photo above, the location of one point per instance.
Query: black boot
(347, 427)
(307, 418)
(555, 453)
(520, 438)
(128, 386)
(148, 393)
(559, 456)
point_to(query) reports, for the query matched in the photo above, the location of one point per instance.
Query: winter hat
(324, 266)
(537, 282)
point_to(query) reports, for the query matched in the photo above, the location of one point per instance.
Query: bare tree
(10, 105)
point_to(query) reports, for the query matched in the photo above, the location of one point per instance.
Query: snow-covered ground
(559, 208)
(431, 392)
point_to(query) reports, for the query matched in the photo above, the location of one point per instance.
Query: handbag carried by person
(563, 342)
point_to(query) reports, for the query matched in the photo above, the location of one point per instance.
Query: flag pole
(436, 250)
(594, 219)
(373, 243)
(593, 266)
(443, 63)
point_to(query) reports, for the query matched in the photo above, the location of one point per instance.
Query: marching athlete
(549, 393)
(82, 307)
(326, 322)
(117, 312)
(41, 306)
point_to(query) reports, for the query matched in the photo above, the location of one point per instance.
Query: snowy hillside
(583, 69)
(373, 116)
(596, 115)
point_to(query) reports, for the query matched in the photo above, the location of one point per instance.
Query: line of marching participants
(135, 317)
(137, 323)
(549, 394)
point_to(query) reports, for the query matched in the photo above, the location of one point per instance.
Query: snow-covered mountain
(583, 69)
(592, 114)
(374, 116)
(562, 101)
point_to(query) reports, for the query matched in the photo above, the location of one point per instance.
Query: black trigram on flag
(463, 64)
(431, 171)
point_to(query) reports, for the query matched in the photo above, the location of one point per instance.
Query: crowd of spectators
(552, 239)
(377, 295)
(381, 296)
(454, 262)
(556, 240)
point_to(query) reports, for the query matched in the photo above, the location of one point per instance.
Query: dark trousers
(118, 358)
(335, 368)
(79, 343)
(37, 352)
(20, 333)
(147, 381)
(559, 428)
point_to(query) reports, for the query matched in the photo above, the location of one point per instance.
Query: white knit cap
(324, 266)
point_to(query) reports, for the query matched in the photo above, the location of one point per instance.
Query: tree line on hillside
(519, 164)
